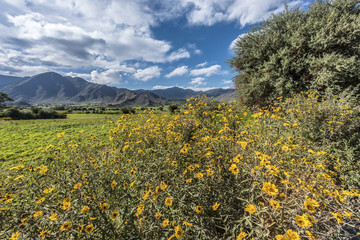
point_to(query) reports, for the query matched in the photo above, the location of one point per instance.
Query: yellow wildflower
(241, 235)
(188, 224)
(85, 210)
(53, 217)
(303, 221)
(66, 203)
(292, 235)
(280, 237)
(165, 222)
(158, 215)
(104, 206)
(114, 215)
(43, 170)
(60, 135)
(139, 210)
(78, 185)
(38, 213)
(311, 204)
(15, 236)
(250, 208)
(178, 232)
(215, 206)
(168, 201)
(311, 236)
(234, 169)
(163, 185)
(44, 233)
(199, 209)
(270, 189)
(113, 184)
(49, 190)
(40, 200)
(66, 226)
(338, 217)
(275, 204)
(199, 175)
(88, 229)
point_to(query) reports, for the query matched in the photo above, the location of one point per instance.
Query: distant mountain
(6, 80)
(52, 88)
(176, 93)
(227, 97)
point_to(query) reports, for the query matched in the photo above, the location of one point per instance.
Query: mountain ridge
(53, 88)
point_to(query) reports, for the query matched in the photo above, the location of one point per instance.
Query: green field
(27, 138)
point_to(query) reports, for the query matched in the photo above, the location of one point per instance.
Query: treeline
(32, 113)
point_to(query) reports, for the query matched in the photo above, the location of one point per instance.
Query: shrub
(296, 51)
(128, 110)
(229, 175)
(172, 108)
(36, 113)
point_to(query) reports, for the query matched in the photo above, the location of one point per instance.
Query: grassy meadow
(27, 138)
(210, 170)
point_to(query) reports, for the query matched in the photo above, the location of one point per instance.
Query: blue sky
(135, 44)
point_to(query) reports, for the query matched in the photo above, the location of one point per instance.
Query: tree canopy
(299, 50)
(4, 98)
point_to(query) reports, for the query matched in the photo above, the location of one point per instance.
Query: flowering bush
(210, 171)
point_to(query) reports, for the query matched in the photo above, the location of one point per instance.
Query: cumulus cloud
(179, 54)
(209, 12)
(201, 64)
(198, 81)
(214, 69)
(109, 76)
(160, 87)
(147, 73)
(85, 76)
(227, 81)
(233, 43)
(178, 72)
(83, 34)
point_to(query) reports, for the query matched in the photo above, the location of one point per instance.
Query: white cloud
(209, 12)
(179, 54)
(178, 72)
(198, 81)
(109, 76)
(202, 64)
(160, 87)
(83, 34)
(214, 69)
(147, 73)
(227, 81)
(80, 75)
(156, 87)
(233, 43)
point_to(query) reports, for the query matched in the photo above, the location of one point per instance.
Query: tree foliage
(297, 50)
(4, 98)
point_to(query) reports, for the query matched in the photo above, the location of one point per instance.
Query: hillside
(176, 93)
(52, 88)
(6, 80)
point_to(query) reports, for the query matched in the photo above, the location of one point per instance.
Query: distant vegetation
(296, 51)
(33, 113)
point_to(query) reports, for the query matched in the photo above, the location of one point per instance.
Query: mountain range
(52, 88)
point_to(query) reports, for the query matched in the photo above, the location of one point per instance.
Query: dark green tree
(299, 50)
(4, 98)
